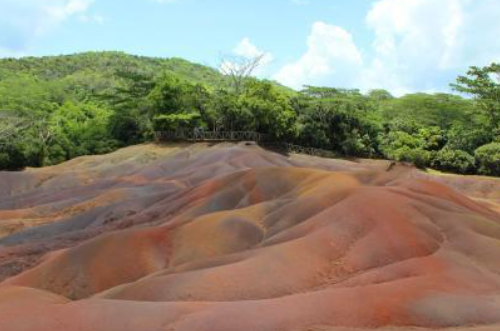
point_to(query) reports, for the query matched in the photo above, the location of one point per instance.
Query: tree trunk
(42, 156)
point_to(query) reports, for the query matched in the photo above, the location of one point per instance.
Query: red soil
(238, 238)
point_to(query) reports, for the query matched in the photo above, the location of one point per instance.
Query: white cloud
(247, 50)
(23, 21)
(63, 10)
(425, 44)
(331, 50)
(418, 45)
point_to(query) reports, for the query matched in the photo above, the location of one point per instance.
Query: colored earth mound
(234, 237)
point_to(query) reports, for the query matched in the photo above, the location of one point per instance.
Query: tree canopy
(53, 109)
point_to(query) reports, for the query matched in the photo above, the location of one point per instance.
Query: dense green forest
(53, 109)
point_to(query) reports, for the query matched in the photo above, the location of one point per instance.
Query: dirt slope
(233, 237)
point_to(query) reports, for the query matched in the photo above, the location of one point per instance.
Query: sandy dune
(233, 237)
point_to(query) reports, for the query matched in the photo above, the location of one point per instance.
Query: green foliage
(170, 95)
(484, 85)
(456, 161)
(67, 106)
(394, 141)
(488, 159)
(434, 138)
(271, 110)
(93, 103)
(328, 92)
(12, 157)
(404, 147)
(106, 65)
(418, 157)
(126, 127)
(24, 93)
(225, 113)
(259, 107)
(173, 122)
(409, 141)
(380, 95)
(441, 110)
(343, 122)
(467, 137)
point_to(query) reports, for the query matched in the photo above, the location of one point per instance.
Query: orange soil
(233, 237)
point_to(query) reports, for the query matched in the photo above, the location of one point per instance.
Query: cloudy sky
(400, 45)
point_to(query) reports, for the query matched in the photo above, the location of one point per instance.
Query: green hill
(107, 64)
(94, 102)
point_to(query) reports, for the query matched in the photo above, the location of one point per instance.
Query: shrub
(456, 161)
(11, 158)
(125, 127)
(4, 161)
(467, 139)
(417, 156)
(172, 122)
(488, 159)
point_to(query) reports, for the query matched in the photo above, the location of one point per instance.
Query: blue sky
(401, 45)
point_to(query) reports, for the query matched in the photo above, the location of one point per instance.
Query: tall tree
(238, 69)
(484, 85)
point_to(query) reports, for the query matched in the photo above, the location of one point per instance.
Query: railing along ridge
(209, 136)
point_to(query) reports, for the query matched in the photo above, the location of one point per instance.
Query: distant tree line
(54, 109)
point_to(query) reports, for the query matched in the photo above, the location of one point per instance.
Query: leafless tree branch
(238, 69)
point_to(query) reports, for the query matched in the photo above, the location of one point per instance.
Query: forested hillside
(56, 108)
(106, 65)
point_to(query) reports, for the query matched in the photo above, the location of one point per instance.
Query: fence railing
(209, 136)
(221, 136)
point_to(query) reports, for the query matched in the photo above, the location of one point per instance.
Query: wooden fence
(230, 136)
(195, 135)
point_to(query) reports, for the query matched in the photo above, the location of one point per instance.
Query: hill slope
(105, 64)
(233, 237)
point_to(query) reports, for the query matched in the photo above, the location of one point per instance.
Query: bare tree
(239, 68)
